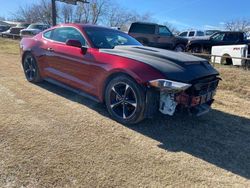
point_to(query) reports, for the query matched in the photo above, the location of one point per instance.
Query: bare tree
(238, 25)
(93, 12)
(66, 13)
(2, 18)
(118, 17)
(83, 13)
(40, 12)
(99, 8)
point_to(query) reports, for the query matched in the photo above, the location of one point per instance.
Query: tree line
(104, 12)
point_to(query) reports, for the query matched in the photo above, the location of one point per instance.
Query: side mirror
(78, 44)
(84, 49)
(75, 43)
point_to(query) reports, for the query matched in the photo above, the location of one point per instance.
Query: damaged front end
(195, 97)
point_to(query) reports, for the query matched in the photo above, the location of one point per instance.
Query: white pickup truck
(229, 51)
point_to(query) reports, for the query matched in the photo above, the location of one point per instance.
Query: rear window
(142, 28)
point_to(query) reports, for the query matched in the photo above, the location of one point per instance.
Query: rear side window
(191, 33)
(184, 34)
(65, 33)
(48, 34)
(231, 37)
(142, 28)
(200, 33)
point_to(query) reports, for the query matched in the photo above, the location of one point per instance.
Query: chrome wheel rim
(123, 100)
(29, 68)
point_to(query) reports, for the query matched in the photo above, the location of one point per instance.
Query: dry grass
(235, 79)
(8, 46)
(50, 137)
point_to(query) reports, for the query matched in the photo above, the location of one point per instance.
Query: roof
(83, 26)
(148, 23)
(230, 32)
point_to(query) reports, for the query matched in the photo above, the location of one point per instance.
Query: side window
(143, 28)
(164, 31)
(65, 33)
(231, 37)
(48, 34)
(191, 34)
(183, 34)
(200, 33)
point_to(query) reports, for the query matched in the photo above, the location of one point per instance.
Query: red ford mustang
(109, 66)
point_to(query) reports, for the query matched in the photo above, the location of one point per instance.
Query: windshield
(35, 26)
(218, 36)
(211, 32)
(22, 25)
(164, 31)
(108, 38)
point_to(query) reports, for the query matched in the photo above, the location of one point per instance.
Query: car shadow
(218, 138)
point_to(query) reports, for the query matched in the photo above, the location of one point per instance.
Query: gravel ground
(50, 137)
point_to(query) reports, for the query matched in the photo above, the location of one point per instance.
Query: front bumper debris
(197, 99)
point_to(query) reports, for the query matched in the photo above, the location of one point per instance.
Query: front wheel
(125, 100)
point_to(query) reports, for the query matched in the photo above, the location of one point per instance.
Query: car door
(69, 64)
(165, 39)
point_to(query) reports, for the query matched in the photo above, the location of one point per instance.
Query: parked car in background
(33, 29)
(205, 45)
(109, 66)
(229, 51)
(4, 28)
(15, 31)
(211, 32)
(192, 34)
(159, 36)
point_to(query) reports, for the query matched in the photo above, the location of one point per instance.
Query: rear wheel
(179, 48)
(31, 69)
(226, 60)
(196, 49)
(125, 100)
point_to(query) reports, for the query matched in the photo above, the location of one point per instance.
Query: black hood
(175, 66)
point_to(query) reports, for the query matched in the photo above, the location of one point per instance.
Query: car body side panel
(87, 72)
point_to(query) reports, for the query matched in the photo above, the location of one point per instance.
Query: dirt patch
(50, 137)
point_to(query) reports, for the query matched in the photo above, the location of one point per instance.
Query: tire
(196, 49)
(226, 60)
(125, 100)
(31, 69)
(179, 48)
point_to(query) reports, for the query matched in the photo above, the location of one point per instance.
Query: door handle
(50, 49)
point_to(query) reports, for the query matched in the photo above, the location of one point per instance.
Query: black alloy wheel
(30, 68)
(125, 100)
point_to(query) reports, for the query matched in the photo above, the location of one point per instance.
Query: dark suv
(150, 34)
(204, 45)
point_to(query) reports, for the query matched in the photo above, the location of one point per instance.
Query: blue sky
(183, 14)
